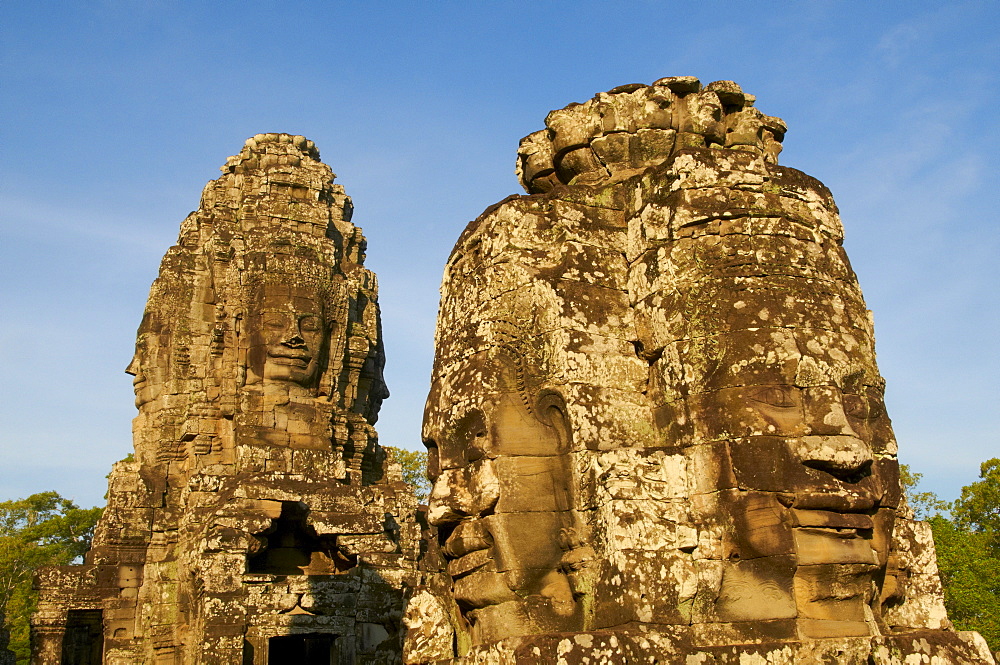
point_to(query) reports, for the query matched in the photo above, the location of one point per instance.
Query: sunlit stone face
(500, 499)
(807, 481)
(287, 335)
(150, 362)
(732, 487)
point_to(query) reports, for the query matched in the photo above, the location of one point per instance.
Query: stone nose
(439, 504)
(846, 457)
(826, 414)
(133, 367)
(461, 493)
(294, 339)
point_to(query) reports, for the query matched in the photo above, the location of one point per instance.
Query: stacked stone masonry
(655, 428)
(260, 521)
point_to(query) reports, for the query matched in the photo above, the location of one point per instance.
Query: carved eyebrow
(810, 372)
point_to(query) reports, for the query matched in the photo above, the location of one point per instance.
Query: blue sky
(116, 114)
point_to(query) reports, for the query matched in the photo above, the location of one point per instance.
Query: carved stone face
(805, 487)
(149, 364)
(287, 335)
(500, 499)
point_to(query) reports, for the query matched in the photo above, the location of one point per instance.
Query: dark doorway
(83, 643)
(301, 650)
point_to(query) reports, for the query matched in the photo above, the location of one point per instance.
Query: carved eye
(475, 443)
(274, 321)
(777, 396)
(876, 408)
(856, 406)
(309, 323)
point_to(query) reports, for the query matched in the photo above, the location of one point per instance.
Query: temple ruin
(259, 521)
(655, 428)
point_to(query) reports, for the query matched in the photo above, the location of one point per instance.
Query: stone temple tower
(656, 425)
(259, 521)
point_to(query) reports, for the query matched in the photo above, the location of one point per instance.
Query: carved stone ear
(550, 408)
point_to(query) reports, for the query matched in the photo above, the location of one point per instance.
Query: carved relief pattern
(260, 518)
(655, 427)
(656, 422)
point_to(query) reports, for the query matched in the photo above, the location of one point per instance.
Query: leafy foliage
(968, 548)
(925, 505)
(414, 463)
(978, 509)
(41, 530)
(970, 574)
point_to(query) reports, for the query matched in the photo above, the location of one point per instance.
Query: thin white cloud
(39, 218)
(899, 41)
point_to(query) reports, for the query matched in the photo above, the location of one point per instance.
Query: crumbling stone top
(621, 132)
(281, 150)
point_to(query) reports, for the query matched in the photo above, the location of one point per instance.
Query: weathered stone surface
(655, 425)
(670, 644)
(260, 520)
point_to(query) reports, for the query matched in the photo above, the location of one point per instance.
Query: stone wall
(260, 521)
(656, 424)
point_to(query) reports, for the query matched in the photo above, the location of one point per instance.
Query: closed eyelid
(309, 322)
(776, 396)
(473, 435)
(876, 408)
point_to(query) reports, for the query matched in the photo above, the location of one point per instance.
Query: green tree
(970, 575)
(41, 530)
(925, 505)
(967, 540)
(969, 555)
(978, 509)
(414, 463)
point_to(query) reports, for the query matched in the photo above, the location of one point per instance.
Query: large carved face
(500, 498)
(287, 335)
(149, 365)
(807, 478)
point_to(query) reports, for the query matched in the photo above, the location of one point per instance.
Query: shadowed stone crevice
(290, 546)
